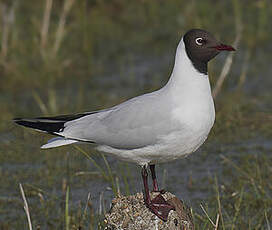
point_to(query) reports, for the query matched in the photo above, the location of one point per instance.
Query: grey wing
(133, 124)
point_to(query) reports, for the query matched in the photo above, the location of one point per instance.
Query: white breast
(192, 109)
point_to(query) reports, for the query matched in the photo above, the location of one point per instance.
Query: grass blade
(111, 177)
(26, 207)
(237, 209)
(67, 217)
(219, 203)
(100, 169)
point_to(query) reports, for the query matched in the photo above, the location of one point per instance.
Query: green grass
(101, 45)
(245, 201)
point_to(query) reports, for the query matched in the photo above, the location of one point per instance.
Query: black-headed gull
(161, 126)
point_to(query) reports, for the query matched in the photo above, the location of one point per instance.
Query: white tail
(58, 141)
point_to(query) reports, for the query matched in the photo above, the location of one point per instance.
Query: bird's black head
(201, 47)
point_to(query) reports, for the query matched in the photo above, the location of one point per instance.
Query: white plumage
(157, 127)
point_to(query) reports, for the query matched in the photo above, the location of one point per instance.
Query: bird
(164, 125)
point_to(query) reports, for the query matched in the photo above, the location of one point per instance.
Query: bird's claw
(160, 207)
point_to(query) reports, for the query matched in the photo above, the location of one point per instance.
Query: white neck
(185, 77)
(190, 94)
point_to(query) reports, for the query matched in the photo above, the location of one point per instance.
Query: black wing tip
(59, 118)
(21, 121)
(43, 123)
(17, 120)
(37, 124)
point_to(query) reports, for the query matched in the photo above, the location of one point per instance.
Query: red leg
(154, 179)
(146, 189)
(158, 205)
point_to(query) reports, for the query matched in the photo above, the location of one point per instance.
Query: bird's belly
(175, 145)
(179, 145)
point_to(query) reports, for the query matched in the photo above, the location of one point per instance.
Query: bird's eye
(199, 41)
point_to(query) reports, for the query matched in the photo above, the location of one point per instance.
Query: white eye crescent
(199, 41)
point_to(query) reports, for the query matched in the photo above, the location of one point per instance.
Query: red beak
(224, 47)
